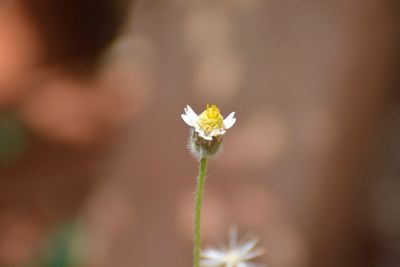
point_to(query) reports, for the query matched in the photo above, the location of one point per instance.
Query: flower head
(210, 123)
(236, 254)
(207, 129)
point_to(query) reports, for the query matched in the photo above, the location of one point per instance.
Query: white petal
(247, 247)
(197, 128)
(230, 116)
(213, 254)
(229, 122)
(233, 232)
(190, 117)
(217, 132)
(187, 120)
(252, 254)
(242, 264)
(193, 117)
(189, 111)
(204, 136)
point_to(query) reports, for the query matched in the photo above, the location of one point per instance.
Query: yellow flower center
(211, 119)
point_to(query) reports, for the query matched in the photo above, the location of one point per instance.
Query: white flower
(210, 123)
(235, 255)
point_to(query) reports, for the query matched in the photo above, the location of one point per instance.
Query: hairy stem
(198, 204)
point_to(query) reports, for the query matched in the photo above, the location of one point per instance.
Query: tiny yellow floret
(211, 119)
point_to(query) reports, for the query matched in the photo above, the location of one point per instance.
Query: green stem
(198, 204)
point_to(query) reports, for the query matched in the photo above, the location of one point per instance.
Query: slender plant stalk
(198, 204)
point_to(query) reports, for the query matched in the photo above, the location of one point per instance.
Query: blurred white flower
(236, 254)
(210, 123)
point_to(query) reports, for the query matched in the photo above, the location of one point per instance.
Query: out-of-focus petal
(248, 246)
(213, 254)
(253, 254)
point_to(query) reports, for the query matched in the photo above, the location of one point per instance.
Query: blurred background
(93, 161)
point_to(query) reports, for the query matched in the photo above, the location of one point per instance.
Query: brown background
(91, 129)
